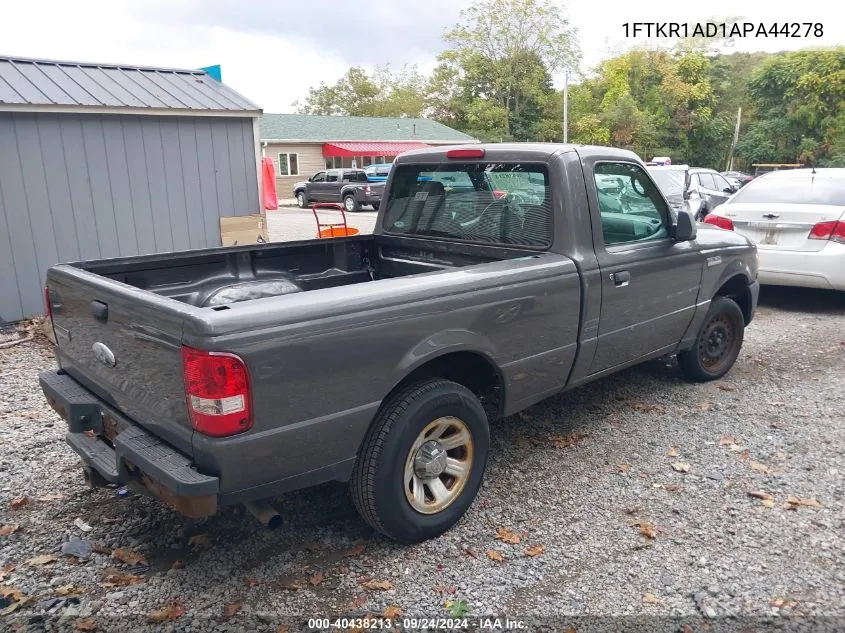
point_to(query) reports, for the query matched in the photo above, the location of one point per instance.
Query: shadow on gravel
(807, 300)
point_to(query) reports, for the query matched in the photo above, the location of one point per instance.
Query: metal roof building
(105, 160)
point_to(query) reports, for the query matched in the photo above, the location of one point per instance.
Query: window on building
(288, 164)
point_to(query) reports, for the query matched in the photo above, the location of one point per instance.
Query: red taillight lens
(465, 153)
(48, 303)
(833, 230)
(719, 220)
(217, 391)
(368, 189)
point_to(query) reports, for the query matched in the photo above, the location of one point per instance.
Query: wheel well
(737, 289)
(473, 371)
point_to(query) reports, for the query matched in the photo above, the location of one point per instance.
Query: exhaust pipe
(265, 513)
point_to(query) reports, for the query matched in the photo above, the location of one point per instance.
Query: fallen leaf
(170, 612)
(778, 602)
(736, 448)
(650, 598)
(355, 550)
(392, 611)
(798, 501)
(82, 525)
(230, 610)
(671, 487)
(705, 406)
(646, 529)
(51, 497)
(644, 407)
(359, 602)
(681, 467)
(726, 440)
(251, 582)
(283, 628)
(471, 552)
(759, 494)
(44, 559)
(535, 550)
(496, 556)
(380, 585)
(317, 578)
(117, 578)
(672, 452)
(758, 467)
(507, 536)
(69, 590)
(767, 503)
(87, 624)
(9, 529)
(18, 503)
(726, 387)
(200, 541)
(624, 468)
(744, 455)
(130, 557)
(563, 441)
(11, 592)
(177, 564)
(291, 585)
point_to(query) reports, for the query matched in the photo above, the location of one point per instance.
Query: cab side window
(631, 207)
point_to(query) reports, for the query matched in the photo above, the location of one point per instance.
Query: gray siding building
(104, 161)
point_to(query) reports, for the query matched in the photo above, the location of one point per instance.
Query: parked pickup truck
(351, 187)
(495, 278)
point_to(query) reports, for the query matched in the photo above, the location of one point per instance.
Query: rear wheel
(350, 203)
(301, 202)
(718, 344)
(422, 461)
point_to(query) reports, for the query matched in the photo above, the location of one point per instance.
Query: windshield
(793, 189)
(504, 203)
(670, 181)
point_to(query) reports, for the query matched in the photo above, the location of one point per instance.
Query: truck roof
(515, 151)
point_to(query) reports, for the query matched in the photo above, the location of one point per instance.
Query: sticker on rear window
(420, 196)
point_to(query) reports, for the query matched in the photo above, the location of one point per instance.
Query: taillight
(833, 230)
(465, 153)
(217, 391)
(368, 189)
(48, 303)
(719, 220)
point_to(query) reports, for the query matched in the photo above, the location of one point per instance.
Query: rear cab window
(495, 203)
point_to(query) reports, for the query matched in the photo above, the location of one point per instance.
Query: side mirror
(729, 190)
(685, 229)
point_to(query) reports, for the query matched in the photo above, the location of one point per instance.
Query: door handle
(621, 278)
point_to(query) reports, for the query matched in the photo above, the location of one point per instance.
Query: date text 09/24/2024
(415, 624)
(723, 29)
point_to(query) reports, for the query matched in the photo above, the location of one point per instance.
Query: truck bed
(216, 278)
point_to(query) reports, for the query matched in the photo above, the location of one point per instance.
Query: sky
(272, 51)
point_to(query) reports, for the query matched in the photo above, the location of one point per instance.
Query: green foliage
(457, 608)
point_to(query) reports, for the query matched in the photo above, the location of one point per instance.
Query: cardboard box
(237, 230)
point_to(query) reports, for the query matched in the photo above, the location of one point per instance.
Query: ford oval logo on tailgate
(104, 354)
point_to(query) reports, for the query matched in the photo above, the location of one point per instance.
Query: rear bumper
(820, 269)
(131, 455)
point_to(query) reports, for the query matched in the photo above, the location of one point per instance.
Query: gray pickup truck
(496, 277)
(350, 187)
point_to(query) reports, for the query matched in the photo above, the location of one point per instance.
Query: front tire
(718, 343)
(350, 203)
(301, 201)
(422, 461)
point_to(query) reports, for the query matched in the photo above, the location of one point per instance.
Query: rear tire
(718, 343)
(422, 461)
(351, 204)
(301, 201)
(375, 206)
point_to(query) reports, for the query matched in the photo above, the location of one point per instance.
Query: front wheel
(718, 343)
(422, 461)
(301, 202)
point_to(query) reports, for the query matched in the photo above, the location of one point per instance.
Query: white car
(797, 219)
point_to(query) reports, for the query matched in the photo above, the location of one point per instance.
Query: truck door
(650, 282)
(331, 190)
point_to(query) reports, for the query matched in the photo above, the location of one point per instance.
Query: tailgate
(780, 226)
(124, 345)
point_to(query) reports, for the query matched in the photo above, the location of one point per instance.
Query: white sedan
(797, 219)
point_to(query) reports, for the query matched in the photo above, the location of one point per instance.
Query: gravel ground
(588, 481)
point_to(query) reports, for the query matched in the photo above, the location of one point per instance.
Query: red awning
(368, 149)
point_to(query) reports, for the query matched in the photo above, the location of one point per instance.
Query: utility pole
(735, 139)
(566, 105)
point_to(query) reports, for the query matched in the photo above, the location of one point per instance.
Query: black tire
(378, 479)
(301, 200)
(718, 342)
(375, 206)
(350, 203)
